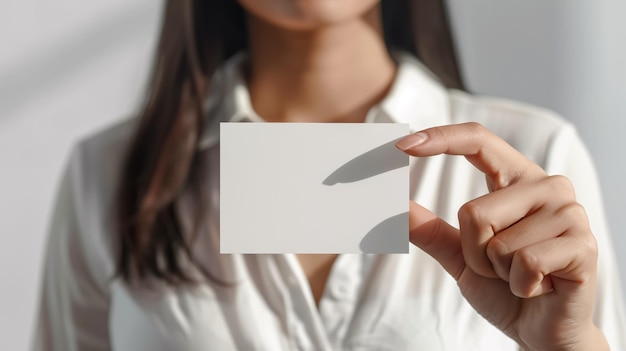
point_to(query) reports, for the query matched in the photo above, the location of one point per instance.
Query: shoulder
(80, 256)
(98, 157)
(110, 141)
(532, 130)
(91, 178)
(503, 115)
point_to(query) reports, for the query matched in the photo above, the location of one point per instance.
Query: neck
(335, 73)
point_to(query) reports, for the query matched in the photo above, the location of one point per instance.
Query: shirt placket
(336, 307)
(304, 323)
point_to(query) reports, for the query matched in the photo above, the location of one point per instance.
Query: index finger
(498, 160)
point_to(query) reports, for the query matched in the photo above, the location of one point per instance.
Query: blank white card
(313, 188)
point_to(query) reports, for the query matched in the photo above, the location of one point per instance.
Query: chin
(307, 14)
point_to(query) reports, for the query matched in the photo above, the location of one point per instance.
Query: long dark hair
(197, 36)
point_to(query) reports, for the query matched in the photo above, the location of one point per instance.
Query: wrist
(594, 340)
(591, 340)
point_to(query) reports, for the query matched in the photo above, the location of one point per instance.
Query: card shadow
(389, 236)
(371, 163)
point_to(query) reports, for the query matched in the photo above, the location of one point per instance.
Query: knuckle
(438, 132)
(499, 255)
(586, 258)
(589, 246)
(527, 261)
(575, 215)
(476, 128)
(472, 213)
(561, 185)
(526, 273)
(475, 238)
(497, 248)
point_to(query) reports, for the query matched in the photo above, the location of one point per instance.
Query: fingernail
(412, 141)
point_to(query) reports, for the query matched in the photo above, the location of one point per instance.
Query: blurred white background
(70, 67)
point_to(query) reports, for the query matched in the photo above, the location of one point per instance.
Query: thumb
(437, 238)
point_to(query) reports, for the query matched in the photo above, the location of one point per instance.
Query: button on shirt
(371, 302)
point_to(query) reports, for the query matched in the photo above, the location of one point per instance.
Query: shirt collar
(416, 98)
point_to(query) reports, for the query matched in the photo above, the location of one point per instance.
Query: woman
(142, 270)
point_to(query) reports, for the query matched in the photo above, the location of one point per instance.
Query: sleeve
(73, 310)
(568, 156)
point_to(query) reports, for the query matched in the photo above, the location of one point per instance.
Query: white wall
(68, 67)
(567, 55)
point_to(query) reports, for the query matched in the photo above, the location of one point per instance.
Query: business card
(313, 188)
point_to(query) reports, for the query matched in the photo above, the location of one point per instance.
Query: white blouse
(371, 302)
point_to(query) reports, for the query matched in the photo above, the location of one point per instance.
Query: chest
(367, 305)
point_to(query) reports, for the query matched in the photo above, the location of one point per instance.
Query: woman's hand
(524, 256)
